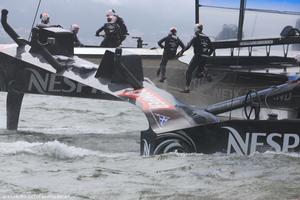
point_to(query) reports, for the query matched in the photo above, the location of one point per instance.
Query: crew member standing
(112, 33)
(75, 29)
(202, 50)
(171, 43)
(120, 22)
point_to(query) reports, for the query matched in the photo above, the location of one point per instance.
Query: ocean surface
(70, 148)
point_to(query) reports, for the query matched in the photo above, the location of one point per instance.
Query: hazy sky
(150, 19)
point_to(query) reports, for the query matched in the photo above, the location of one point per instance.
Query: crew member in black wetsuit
(112, 33)
(202, 50)
(75, 29)
(45, 21)
(120, 22)
(171, 43)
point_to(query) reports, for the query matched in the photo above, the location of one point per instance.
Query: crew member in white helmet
(112, 33)
(202, 50)
(75, 29)
(45, 21)
(120, 22)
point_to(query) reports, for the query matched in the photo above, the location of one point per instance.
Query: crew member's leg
(189, 73)
(104, 43)
(110, 42)
(163, 66)
(123, 37)
(200, 68)
(163, 62)
(115, 42)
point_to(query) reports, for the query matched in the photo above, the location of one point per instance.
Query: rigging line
(36, 12)
(255, 10)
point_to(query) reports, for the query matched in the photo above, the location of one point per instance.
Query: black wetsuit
(171, 43)
(202, 50)
(77, 42)
(123, 28)
(112, 35)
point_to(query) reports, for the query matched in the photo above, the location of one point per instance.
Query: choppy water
(69, 148)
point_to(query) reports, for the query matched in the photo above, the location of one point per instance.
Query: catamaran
(32, 67)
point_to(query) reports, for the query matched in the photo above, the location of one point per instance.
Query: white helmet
(173, 30)
(45, 17)
(110, 12)
(75, 28)
(198, 27)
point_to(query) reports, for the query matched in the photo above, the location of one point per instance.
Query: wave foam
(53, 149)
(289, 154)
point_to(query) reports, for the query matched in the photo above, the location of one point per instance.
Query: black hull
(242, 137)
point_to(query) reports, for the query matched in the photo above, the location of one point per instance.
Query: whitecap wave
(53, 149)
(289, 154)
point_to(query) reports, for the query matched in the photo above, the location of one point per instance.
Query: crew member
(112, 33)
(45, 21)
(75, 29)
(171, 43)
(120, 22)
(202, 50)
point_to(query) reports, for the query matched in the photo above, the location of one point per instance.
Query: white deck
(100, 51)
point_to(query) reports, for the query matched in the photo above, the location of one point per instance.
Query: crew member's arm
(189, 44)
(77, 42)
(211, 49)
(186, 47)
(181, 45)
(99, 30)
(41, 25)
(160, 42)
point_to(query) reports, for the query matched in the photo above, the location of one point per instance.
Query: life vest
(202, 45)
(173, 43)
(112, 30)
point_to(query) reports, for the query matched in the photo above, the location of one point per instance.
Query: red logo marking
(148, 99)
